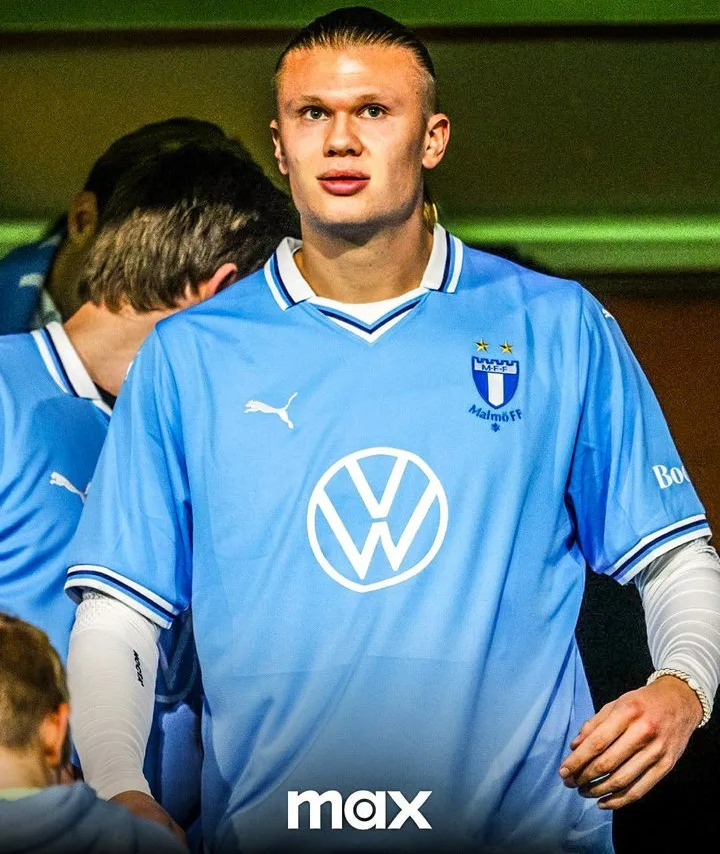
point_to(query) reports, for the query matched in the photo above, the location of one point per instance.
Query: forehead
(388, 71)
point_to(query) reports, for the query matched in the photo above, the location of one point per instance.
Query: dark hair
(174, 219)
(32, 682)
(361, 25)
(145, 142)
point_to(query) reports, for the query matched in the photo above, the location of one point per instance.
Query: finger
(622, 775)
(592, 746)
(638, 789)
(178, 831)
(591, 724)
(633, 742)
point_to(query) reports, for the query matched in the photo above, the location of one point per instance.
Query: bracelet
(692, 683)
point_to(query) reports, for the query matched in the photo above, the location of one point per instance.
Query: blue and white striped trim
(656, 544)
(289, 288)
(139, 598)
(369, 331)
(443, 269)
(51, 360)
(65, 366)
(285, 281)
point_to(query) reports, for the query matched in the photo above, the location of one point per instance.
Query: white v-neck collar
(65, 366)
(366, 320)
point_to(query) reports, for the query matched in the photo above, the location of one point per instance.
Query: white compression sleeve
(112, 666)
(680, 592)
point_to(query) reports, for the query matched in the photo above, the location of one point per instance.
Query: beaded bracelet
(692, 683)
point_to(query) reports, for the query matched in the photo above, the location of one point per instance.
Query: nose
(341, 139)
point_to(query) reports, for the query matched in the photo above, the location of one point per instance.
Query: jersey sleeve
(133, 539)
(630, 493)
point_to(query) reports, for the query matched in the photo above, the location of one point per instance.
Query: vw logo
(376, 518)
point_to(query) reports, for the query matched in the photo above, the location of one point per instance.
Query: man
(38, 281)
(178, 227)
(36, 814)
(416, 448)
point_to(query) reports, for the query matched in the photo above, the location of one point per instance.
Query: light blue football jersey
(23, 273)
(53, 423)
(382, 524)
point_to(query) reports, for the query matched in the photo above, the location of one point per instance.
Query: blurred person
(37, 814)
(38, 281)
(376, 472)
(179, 226)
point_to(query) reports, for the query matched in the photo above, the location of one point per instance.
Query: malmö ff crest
(496, 380)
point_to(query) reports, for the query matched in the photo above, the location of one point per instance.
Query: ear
(82, 219)
(437, 136)
(53, 731)
(220, 279)
(277, 144)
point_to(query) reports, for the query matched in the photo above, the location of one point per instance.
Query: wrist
(693, 684)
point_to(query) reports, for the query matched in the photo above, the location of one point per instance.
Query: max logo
(362, 810)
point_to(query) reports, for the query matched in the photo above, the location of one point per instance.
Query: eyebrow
(317, 100)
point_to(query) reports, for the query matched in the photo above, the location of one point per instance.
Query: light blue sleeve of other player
(133, 540)
(630, 493)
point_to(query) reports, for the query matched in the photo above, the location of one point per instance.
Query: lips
(343, 182)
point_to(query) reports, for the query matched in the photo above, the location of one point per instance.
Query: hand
(631, 744)
(147, 807)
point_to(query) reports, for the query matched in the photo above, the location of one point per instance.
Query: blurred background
(586, 143)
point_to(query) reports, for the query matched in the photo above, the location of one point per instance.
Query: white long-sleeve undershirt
(112, 668)
(680, 593)
(112, 705)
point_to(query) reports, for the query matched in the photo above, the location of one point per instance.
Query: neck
(62, 281)
(107, 342)
(23, 770)
(384, 265)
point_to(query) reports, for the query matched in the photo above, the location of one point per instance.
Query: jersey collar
(64, 365)
(289, 288)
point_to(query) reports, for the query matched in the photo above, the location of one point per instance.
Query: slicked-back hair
(361, 25)
(32, 682)
(176, 218)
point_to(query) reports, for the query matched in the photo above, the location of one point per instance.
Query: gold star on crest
(506, 348)
(482, 345)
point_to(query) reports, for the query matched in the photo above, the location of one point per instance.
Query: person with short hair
(376, 471)
(38, 281)
(37, 814)
(178, 227)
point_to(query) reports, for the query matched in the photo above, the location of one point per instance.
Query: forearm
(112, 667)
(680, 592)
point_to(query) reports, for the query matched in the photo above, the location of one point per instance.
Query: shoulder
(246, 298)
(495, 277)
(18, 354)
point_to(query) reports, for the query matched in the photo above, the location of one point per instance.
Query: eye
(373, 111)
(313, 113)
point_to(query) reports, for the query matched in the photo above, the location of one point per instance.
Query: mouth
(343, 183)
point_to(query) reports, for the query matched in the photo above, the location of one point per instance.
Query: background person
(179, 226)
(38, 281)
(36, 813)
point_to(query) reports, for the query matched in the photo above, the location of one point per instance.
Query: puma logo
(259, 406)
(57, 479)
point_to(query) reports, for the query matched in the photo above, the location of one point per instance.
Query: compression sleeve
(112, 666)
(680, 593)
